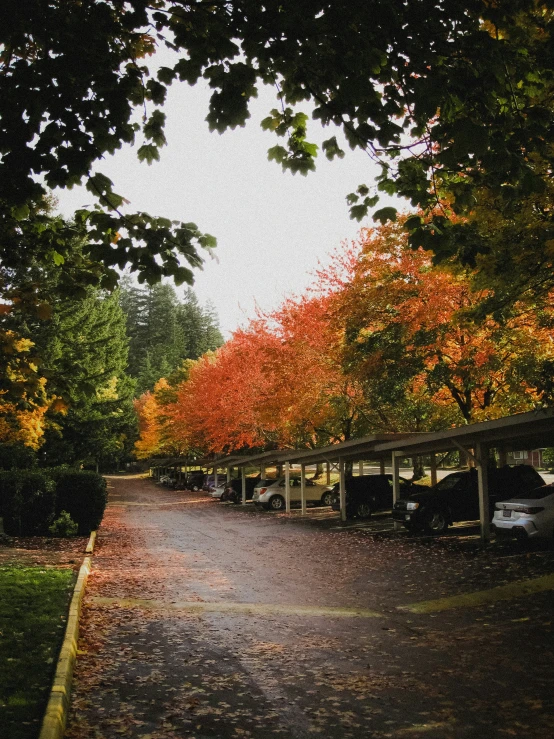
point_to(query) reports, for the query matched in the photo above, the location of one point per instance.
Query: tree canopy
(382, 340)
(164, 330)
(452, 99)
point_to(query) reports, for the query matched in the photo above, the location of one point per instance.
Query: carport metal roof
(352, 449)
(179, 461)
(363, 448)
(522, 431)
(230, 461)
(273, 457)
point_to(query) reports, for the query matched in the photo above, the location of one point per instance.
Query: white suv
(270, 494)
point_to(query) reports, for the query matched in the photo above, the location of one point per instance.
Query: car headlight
(412, 505)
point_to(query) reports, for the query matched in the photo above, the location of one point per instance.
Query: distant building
(532, 457)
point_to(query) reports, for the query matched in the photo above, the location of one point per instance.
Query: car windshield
(265, 483)
(449, 482)
(537, 493)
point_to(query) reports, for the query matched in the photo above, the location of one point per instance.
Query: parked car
(233, 491)
(528, 516)
(456, 497)
(368, 493)
(195, 480)
(217, 492)
(270, 494)
(211, 483)
(167, 480)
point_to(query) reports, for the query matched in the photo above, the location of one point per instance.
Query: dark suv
(368, 493)
(195, 480)
(456, 497)
(233, 490)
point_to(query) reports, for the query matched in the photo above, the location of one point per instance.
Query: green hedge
(30, 500)
(17, 457)
(84, 496)
(27, 502)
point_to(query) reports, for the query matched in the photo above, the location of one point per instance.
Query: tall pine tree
(85, 357)
(163, 331)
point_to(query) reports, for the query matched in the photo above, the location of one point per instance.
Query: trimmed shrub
(17, 457)
(84, 496)
(27, 502)
(54, 473)
(64, 526)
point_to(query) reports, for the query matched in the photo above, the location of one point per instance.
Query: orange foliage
(382, 341)
(480, 365)
(148, 413)
(218, 408)
(276, 382)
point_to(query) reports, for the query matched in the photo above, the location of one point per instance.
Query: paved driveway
(205, 619)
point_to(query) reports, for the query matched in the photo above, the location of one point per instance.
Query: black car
(456, 497)
(195, 480)
(368, 493)
(233, 490)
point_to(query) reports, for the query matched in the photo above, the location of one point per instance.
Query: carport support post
(215, 477)
(396, 456)
(433, 469)
(228, 474)
(482, 454)
(243, 479)
(342, 490)
(360, 467)
(382, 466)
(303, 489)
(328, 472)
(287, 487)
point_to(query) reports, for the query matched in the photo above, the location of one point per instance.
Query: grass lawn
(33, 612)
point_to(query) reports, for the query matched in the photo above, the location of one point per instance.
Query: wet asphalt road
(205, 619)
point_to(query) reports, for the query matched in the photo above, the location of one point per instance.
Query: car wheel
(436, 522)
(327, 499)
(277, 503)
(363, 510)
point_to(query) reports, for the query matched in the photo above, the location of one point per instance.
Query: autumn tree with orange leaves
(409, 324)
(382, 341)
(221, 407)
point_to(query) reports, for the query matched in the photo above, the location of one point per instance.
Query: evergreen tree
(85, 357)
(163, 331)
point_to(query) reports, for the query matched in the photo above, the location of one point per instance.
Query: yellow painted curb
(91, 542)
(256, 609)
(481, 597)
(53, 724)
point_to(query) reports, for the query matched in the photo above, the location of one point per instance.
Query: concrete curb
(55, 717)
(91, 542)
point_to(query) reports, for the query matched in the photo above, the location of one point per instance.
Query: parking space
(223, 621)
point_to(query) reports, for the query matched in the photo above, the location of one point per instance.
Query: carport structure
(354, 449)
(158, 467)
(261, 460)
(523, 431)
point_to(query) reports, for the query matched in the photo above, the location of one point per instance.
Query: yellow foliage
(22, 426)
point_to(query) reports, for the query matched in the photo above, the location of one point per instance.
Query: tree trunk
(318, 470)
(419, 470)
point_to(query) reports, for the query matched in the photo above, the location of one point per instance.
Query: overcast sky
(272, 227)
